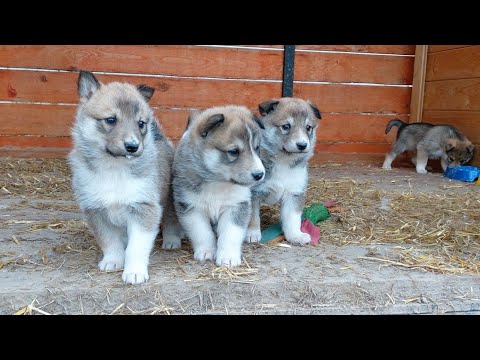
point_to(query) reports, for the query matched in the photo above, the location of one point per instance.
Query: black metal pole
(288, 67)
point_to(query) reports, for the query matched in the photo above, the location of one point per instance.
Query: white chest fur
(284, 179)
(215, 197)
(112, 186)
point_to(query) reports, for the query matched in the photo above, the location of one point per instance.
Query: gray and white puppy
(429, 141)
(288, 142)
(121, 168)
(216, 162)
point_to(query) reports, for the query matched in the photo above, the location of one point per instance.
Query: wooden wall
(452, 89)
(358, 88)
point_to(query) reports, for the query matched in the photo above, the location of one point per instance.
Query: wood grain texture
(459, 63)
(379, 49)
(353, 68)
(461, 94)
(418, 89)
(468, 122)
(55, 120)
(148, 59)
(355, 99)
(25, 142)
(30, 143)
(28, 86)
(356, 128)
(437, 48)
(331, 147)
(54, 87)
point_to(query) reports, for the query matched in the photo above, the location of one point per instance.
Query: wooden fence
(358, 88)
(452, 89)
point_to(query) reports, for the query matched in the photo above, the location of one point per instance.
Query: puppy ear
(259, 122)
(451, 144)
(146, 91)
(267, 106)
(315, 110)
(212, 123)
(470, 147)
(191, 117)
(87, 84)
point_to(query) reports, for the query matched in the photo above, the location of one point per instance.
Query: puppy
(121, 166)
(429, 141)
(288, 142)
(216, 162)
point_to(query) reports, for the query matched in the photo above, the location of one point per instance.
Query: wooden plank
(462, 94)
(378, 49)
(437, 48)
(332, 147)
(321, 158)
(418, 89)
(460, 63)
(54, 87)
(468, 122)
(353, 68)
(22, 142)
(356, 128)
(151, 59)
(55, 120)
(381, 49)
(356, 99)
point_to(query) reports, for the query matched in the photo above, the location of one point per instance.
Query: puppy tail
(395, 122)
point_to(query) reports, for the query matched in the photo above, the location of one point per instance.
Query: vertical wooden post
(419, 73)
(288, 70)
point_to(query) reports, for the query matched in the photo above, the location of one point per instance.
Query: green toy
(315, 213)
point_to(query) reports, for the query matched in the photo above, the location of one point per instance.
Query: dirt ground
(364, 263)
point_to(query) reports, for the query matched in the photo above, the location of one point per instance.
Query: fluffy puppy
(216, 162)
(121, 166)
(288, 142)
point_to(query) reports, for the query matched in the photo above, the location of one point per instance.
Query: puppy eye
(309, 128)
(233, 152)
(141, 124)
(257, 148)
(111, 120)
(450, 159)
(286, 127)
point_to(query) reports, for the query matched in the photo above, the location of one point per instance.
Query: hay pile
(437, 231)
(35, 178)
(432, 231)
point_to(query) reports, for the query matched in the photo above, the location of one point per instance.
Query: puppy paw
(111, 263)
(228, 259)
(135, 277)
(387, 167)
(421, 171)
(171, 243)
(253, 235)
(299, 239)
(135, 272)
(203, 254)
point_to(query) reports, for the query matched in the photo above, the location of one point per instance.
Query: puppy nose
(301, 145)
(257, 175)
(131, 147)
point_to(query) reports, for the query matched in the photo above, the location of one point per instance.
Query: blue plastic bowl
(463, 173)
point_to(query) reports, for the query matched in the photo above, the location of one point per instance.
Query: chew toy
(310, 216)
